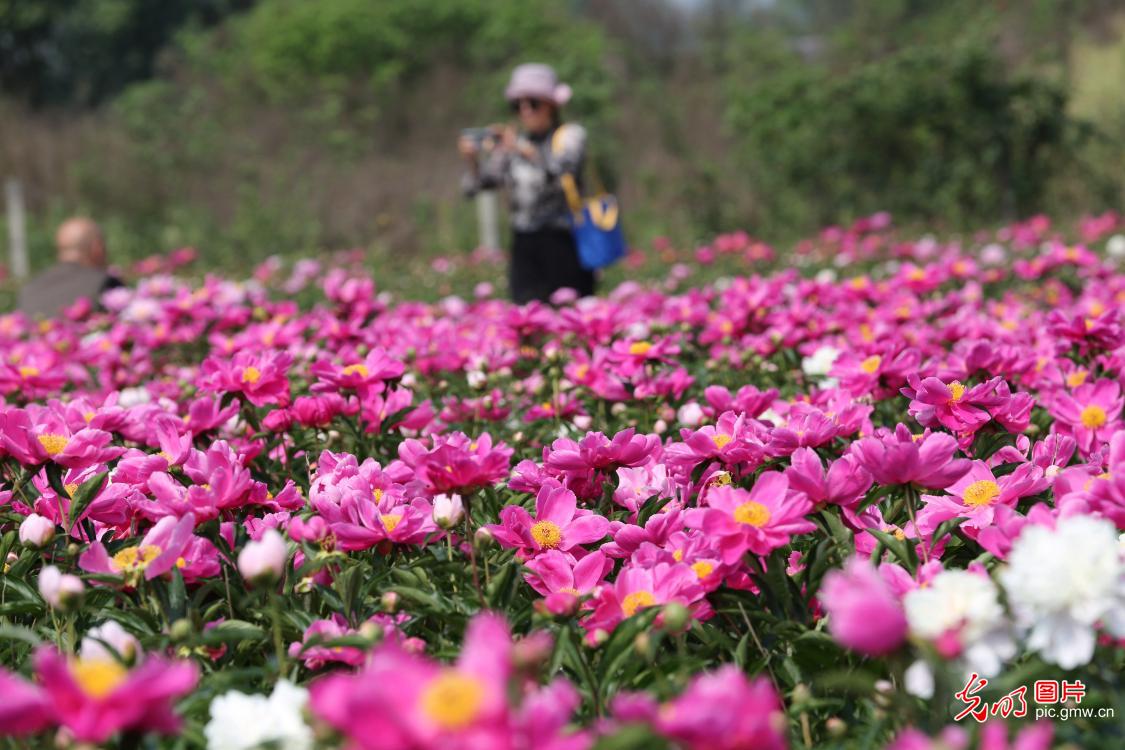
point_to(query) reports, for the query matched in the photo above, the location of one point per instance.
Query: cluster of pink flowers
(662, 458)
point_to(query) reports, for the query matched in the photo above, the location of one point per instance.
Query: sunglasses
(533, 104)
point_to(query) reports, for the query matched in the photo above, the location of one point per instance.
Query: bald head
(79, 240)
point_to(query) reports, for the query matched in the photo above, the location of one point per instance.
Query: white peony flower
(690, 414)
(919, 680)
(964, 604)
(248, 722)
(1115, 247)
(127, 398)
(109, 641)
(1062, 583)
(821, 361)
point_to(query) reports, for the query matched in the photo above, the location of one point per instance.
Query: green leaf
(85, 495)
(898, 548)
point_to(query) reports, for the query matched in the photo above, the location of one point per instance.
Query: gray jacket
(534, 191)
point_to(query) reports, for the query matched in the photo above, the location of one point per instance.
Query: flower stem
(278, 642)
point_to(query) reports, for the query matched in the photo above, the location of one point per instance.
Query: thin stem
(278, 642)
(911, 498)
(472, 548)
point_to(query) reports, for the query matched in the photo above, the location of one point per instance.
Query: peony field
(867, 491)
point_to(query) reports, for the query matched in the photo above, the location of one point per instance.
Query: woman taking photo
(529, 162)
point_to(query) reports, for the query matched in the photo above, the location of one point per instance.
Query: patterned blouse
(535, 194)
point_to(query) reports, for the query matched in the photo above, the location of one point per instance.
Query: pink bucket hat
(537, 81)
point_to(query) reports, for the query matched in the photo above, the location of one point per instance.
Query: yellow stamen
(720, 440)
(639, 348)
(981, 492)
(391, 522)
(1093, 417)
(546, 534)
(98, 677)
(359, 369)
(53, 444)
(957, 390)
(703, 569)
(637, 600)
(752, 513)
(452, 700)
(871, 364)
(251, 375)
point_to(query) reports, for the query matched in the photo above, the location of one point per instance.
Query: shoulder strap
(569, 185)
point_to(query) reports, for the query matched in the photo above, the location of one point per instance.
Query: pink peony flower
(864, 614)
(96, 697)
(758, 521)
(407, 702)
(901, 458)
(558, 524)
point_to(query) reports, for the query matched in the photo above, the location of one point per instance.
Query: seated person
(79, 273)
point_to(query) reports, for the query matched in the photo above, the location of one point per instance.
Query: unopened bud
(482, 538)
(389, 601)
(180, 630)
(675, 617)
(36, 531)
(836, 727)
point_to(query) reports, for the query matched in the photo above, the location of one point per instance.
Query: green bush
(927, 133)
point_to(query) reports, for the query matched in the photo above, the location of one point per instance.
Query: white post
(488, 215)
(17, 228)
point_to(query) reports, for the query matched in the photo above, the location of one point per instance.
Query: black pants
(543, 262)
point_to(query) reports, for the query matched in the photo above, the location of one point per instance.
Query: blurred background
(246, 128)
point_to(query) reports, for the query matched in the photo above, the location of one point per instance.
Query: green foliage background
(248, 127)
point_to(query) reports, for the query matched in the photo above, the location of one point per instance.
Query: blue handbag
(595, 223)
(596, 226)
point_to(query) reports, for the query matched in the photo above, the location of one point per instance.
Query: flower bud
(36, 531)
(180, 630)
(836, 727)
(390, 601)
(482, 539)
(675, 617)
(263, 561)
(59, 590)
(448, 511)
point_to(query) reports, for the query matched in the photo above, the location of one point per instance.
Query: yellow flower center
(251, 375)
(132, 559)
(378, 493)
(703, 569)
(637, 600)
(720, 440)
(452, 700)
(721, 478)
(582, 371)
(70, 489)
(678, 555)
(53, 444)
(957, 390)
(871, 364)
(391, 522)
(98, 677)
(981, 492)
(88, 417)
(546, 534)
(360, 370)
(1092, 417)
(1077, 378)
(900, 535)
(752, 513)
(639, 348)
(28, 372)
